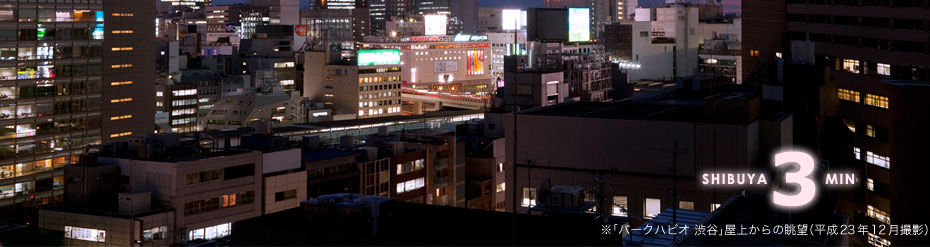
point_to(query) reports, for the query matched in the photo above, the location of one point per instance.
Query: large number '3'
(801, 178)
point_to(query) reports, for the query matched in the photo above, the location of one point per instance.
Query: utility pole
(675, 150)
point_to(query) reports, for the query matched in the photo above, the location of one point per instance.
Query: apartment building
(878, 53)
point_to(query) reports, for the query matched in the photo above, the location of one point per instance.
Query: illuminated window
(120, 100)
(686, 205)
(529, 197)
(869, 130)
(284, 65)
(876, 101)
(120, 134)
(120, 83)
(878, 241)
(848, 95)
(877, 214)
(754, 53)
(714, 206)
(123, 14)
(86, 234)
(875, 159)
(851, 65)
(287, 82)
(501, 187)
(121, 49)
(778, 55)
(620, 206)
(870, 184)
(121, 117)
(500, 167)
(857, 152)
(653, 208)
(155, 233)
(850, 125)
(120, 66)
(186, 92)
(122, 31)
(883, 69)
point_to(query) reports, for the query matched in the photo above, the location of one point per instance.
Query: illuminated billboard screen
(378, 57)
(513, 19)
(435, 24)
(579, 24)
(475, 63)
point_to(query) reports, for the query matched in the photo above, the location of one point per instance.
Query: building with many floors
(72, 74)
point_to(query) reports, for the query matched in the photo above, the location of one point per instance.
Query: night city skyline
(150, 123)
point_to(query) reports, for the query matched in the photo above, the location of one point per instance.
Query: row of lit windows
(855, 66)
(120, 100)
(122, 31)
(120, 66)
(121, 117)
(185, 92)
(379, 95)
(379, 87)
(379, 79)
(877, 214)
(876, 101)
(619, 206)
(121, 49)
(32, 167)
(848, 95)
(379, 102)
(870, 130)
(215, 203)
(372, 112)
(120, 83)
(120, 134)
(873, 158)
(870, 99)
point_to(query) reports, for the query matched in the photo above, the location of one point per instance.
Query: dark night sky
(730, 5)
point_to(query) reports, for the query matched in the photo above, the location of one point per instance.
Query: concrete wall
(280, 161)
(284, 182)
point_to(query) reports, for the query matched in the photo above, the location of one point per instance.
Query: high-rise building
(622, 10)
(878, 54)
(71, 75)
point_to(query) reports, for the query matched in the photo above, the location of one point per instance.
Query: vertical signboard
(475, 62)
(579, 24)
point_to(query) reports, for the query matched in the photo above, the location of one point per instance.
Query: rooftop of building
(446, 112)
(623, 110)
(325, 154)
(166, 147)
(346, 221)
(757, 209)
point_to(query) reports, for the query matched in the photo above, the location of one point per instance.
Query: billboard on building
(546, 24)
(446, 66)
(579, 24)
(510, 19)
(475, 62)
(435, 24)
(378, 57)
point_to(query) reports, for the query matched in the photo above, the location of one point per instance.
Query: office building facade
(73, 74)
